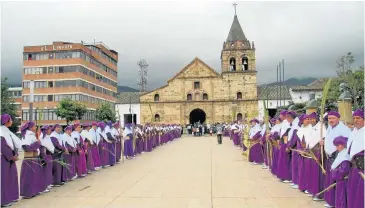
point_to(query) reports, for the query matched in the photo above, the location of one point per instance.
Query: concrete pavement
(192, 172)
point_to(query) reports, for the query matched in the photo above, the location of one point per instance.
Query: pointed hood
(236, 32)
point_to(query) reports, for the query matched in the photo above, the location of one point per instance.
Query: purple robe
(96, 155)
(111, 149)
(329, 196)
(118, 148)
(256, 152)
(31, 175)
(355, 186)
(338, 174)
(70, 171)
(57, 167)
(315, 175)
(128, 147)
(89, 156)
(265, 149)
(294, 157)
(103, 152)
(47, 167)
(9, 174)
(284, 162)
(275, 150)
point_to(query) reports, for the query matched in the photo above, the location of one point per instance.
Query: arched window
(239, 95)
(197, 96)
(239, 116)
(157, 118)
(244, 64)
(232, 64)
(189, 97)
(205, 96)
(157, 98)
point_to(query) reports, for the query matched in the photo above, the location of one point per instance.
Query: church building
(199, 93)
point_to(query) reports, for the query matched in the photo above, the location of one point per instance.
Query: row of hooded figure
(53, 157)
(325, 163)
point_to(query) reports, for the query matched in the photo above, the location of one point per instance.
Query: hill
(126, 89)
(295, 81)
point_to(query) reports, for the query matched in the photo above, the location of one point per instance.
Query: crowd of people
(54, 156)
(324, 161)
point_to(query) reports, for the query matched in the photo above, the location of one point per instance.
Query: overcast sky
(310, 36)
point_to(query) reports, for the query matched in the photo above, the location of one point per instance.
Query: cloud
(310, 36)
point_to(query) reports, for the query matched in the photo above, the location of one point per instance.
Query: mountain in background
(295, 81)
(126, 89)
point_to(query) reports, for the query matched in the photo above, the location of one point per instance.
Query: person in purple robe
(57, 156)
(31, 176)
(111, 140)
(116, 133)
(95, 146)
(255, 155)
(10, 144)
(340, 168)
(355, 185)
(46, 151)
(264, 144)
(80, 158)
(303, 133)
(284, 162)
(69, 172)
(128, 139)
(335, 129)
(292, 144)
(274, 138)
(103, 146)
(88, 143)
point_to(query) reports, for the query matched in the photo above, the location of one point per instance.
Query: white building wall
(272, 104)
(124, 109)
(303, 96)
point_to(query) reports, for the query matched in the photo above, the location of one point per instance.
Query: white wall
(303, 96)
(124, 109)
(272, 104)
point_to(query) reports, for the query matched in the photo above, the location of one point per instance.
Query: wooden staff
(329, 187)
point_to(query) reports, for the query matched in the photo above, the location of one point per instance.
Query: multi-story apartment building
(82, 72)
(16, 94)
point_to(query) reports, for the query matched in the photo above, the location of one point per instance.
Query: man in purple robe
(88, 142)
(80, 150)
(95, 146)
(10, 144)
(284, 163)
(273, 138)
(116, 133)
(355, 185)
(111, 140)
(335, 129)
(340, 168)
(292, 144)
(128, 139)
(255, 154)
(46, 151)
(57, 156)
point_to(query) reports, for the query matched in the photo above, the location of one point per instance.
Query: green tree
(8, 106)
(105, 112)
(353, 76)
(70, 110)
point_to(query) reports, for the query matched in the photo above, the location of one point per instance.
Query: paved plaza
(192, 172)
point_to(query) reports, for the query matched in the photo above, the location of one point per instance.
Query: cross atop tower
(235, 4)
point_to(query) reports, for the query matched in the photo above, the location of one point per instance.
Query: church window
(196, 85)
(205, 96)
(157, 118)
(239, 116)
(232, 64)
(239, 95)
(189, 97)
(157, 98)
(244, 64)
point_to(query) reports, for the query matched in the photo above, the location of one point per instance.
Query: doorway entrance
(197, 115)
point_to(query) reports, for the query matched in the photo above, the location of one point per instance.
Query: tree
(105, 112)
(8, 106)
(70, 110)
(353, 76)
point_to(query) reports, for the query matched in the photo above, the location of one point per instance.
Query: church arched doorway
(197, 115)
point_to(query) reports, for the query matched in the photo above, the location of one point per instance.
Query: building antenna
(142, 75)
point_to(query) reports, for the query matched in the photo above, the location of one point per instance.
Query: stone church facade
(199, 93)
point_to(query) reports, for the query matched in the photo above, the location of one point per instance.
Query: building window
(239, 116)
(205, 96)
(232, 64)
(196, 85)
(189, 97)
(50, 98)
(156, 98)
(157, 118)
(244, 64)
(239, 95)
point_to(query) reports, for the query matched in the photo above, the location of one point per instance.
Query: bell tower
(238, 54)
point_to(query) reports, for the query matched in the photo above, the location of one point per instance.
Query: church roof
(236, 32)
